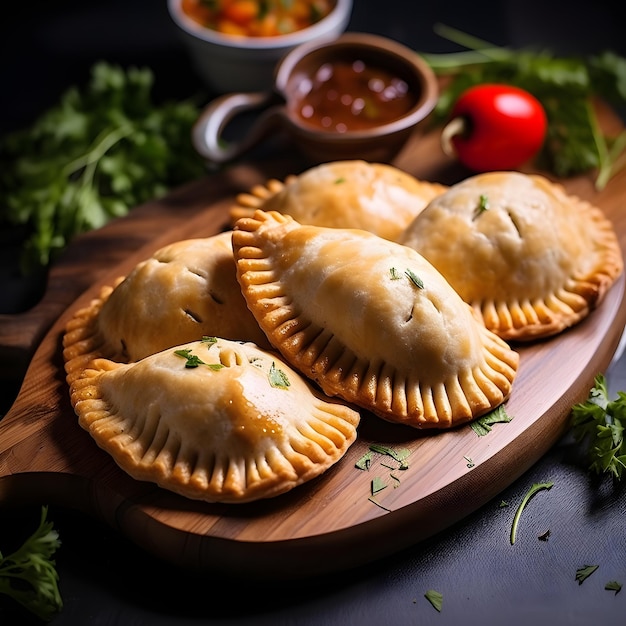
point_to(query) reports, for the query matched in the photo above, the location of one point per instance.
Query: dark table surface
(104, 579)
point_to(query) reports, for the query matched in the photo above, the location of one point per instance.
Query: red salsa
(347, 96)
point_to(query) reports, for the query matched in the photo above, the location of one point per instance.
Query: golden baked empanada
(530, 259)
(184, 291)
(371, 321)
(376, 197)
(213, 420)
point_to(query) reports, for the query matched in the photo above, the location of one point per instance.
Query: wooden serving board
(329, 523)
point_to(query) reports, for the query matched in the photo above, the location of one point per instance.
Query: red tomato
(495, 127)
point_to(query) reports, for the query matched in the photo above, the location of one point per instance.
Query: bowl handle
(207, 132)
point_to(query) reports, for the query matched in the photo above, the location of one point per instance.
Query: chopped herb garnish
(278, 378)
(483, 205)
(192, 359)
(470, 463)
(482, 425)
(536, 487)
(503, 504)
(435, 598)
(378, 484)
(378, 504)
(364, 462)
(598, 423)
(209, 340)
(340, 180)
(584, 572)
(613, 585)
(415, 279)
(399, 455)
(393, 272)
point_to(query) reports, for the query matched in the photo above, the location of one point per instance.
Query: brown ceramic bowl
(323, 135)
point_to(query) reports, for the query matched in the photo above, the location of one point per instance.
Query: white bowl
(228, 63)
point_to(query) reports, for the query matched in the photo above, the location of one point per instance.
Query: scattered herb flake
(192, 359)
(378, 504)
(613, 585)
(584, 572)
(535, 488)
(278, 378)
(435, 598)
(209, 340)
(482, 425)
(503, 504)
(414, 278)
(398, 455)
(378, 484)
(393, 272)
(483, 205)
(470, 463)
(365, 462)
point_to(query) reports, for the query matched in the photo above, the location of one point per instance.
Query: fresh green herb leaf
(192, 359)
(415, 279)
(393, 272)
(535, 488)
(95, 155)
(613, 585)
(398, 455)
(377, 485)
(584, 572)
(598, 424)
(483, 205)
(365, 462)
(378, 504)
(503, 504)
(435, 598)
(278, 378)
(209, 340)
(482, 425)
(29, 574)
(565, 86)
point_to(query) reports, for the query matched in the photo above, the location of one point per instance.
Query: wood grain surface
(330, 523)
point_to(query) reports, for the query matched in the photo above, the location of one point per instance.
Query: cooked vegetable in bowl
(257, 18)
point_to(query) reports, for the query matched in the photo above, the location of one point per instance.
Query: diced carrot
(242, 11)
(230, 28)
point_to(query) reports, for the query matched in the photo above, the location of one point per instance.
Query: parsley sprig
(566, 87)
(598, 424)
(29, 574)
(100, 151)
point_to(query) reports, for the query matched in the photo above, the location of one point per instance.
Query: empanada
(370, 321)
(530, 259)
(376, 197)
(213, 420)
(183, 291)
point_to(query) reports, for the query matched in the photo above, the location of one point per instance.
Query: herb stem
(531, 492)
(101, 145)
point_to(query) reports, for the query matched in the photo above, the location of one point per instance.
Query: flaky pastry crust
(531, 259)
(376, 197)
(183, 291)
(239, 426)
(370, 321)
